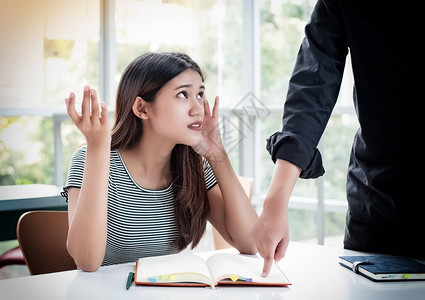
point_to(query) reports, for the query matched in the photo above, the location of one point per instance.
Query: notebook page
(247, 266)
(171, 264)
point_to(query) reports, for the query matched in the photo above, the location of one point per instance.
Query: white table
(30, 196)
(313, 270)
(17, 199)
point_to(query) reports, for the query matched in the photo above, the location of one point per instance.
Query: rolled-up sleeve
(313, 91)
(311, 168)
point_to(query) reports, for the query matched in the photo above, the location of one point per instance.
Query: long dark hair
(144, 77)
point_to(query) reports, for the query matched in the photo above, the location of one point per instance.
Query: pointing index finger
(267, 267)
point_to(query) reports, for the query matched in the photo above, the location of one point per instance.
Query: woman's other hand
(93, 120)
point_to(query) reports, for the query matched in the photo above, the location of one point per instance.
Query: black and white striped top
(141, 221)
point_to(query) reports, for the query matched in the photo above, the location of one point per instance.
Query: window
(247, 49)
(209, 31)
(49, 48)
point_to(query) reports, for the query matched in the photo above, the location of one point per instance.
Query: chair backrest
(248, 185)
(42, 237)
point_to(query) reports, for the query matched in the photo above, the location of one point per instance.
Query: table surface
(18, 199)
(30, 196)
(313, 270)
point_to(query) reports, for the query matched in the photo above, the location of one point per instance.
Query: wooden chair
(42, 238)
(248, 185)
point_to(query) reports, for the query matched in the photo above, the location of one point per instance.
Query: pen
(130, 279)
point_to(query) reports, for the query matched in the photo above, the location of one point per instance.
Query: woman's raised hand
(93, 120)
(212, 146)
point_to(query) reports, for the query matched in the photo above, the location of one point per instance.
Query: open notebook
(188, 269)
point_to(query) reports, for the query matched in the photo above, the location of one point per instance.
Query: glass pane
(334, 229)
(208, 31)
(302, 225)
(337, 142)
(51, 49)
(281, 32)
(26, 151)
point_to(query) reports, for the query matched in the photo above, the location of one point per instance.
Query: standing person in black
(385, 208)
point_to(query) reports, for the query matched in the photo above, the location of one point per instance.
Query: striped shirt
(140, 221)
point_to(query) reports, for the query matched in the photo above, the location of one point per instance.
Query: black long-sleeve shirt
(382, 39)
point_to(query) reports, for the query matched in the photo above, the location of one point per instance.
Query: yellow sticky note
(406, 276)
(173, 277)
(234, 277)
(164, 277)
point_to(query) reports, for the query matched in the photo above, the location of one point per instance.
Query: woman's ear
(140, 108)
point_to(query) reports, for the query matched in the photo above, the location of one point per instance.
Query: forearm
(87, 232)
(239, 214)
(282, 184)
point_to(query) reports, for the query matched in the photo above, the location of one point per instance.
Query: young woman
(149, 187)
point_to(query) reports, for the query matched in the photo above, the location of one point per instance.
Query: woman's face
(178, 110)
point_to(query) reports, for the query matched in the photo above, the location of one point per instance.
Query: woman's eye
(200, 95)
(182, 95)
